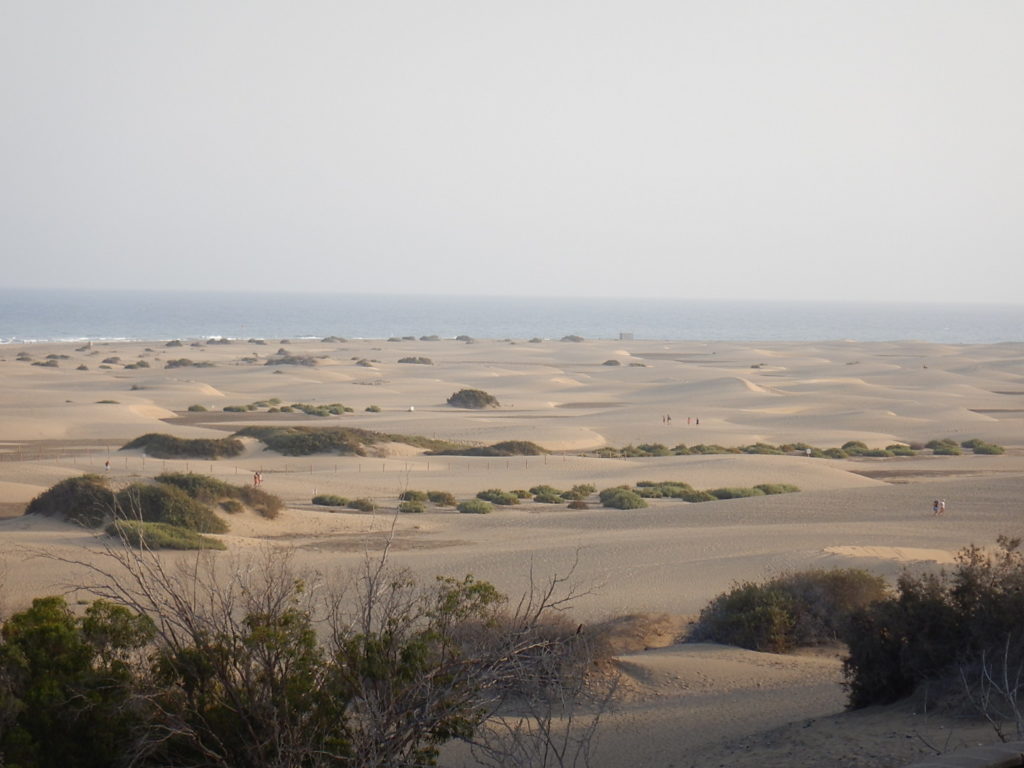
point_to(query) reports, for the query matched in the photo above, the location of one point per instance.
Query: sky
(859, 150)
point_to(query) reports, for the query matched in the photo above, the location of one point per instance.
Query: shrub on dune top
(163, 446)
(475, 507)
(85, 500)
(621, 498)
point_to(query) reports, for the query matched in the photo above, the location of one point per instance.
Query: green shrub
(710, 449)
(82, 367)
(85, 500)
(472, 398)
(412, 496)
(47, 364)
(612, 362)
(107, 402)
(898, 449)
(373, 409)
(475, 507)
(363, 505)
(163, 503)
(498, 496)
(521, 493)
(416, 360)
(162, 446)
(770, 489)
(196, 408)
(287, 359)
(735, 493)
(412, 507)
(944, 447)
(621, 498)
(549, 497)
(441, 498)
(329, 500)
(877, 453)
(834, 453)
(504, 448)
(762, 448)
(971, 444)
(990, 449)
(544, 489)
(210, 490)
(160, 536)
(854, 447)
(799, 609)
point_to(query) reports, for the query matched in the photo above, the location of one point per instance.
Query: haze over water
(28, 315)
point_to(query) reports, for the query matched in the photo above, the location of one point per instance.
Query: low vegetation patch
(362, 505)
(329, 500)
(137, 533)
(504, 448)
(621, 498)
(344, 441)
(85, 500)
(210, 490)
(412, 507)
(163, 446)
(499, 497)
(416, 360)
(441, 498)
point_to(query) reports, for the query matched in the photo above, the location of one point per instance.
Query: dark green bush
(416, 360)
(196, 408)
(472, 398)
(373, 409)
(612, 362)
(735, 493)
(412, 496)
(621, 498)
(412, 507)
(521, 493)
(762, 448)
(834, 453)
(85, 500)
(47, 364)
(549, 497)
(990, 449)
(162, 446)
(799, 609)
(475, 507)
(944, 447)
(936, 625)
(898, 449)
(572, 337)
(329, 500)
(346, 441)
(854, 447)
(363, 505)
(498, 496)
(504, 448)
(286, 359)
(160, 536)
(441, 498)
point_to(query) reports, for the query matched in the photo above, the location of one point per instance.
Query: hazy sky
(715, 149)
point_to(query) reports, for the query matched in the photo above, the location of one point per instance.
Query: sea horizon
(68, 315)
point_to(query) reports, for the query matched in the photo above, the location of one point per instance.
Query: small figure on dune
(935, 507)
(255, 479)
(942, 506)
(106, 465)
(668, 419)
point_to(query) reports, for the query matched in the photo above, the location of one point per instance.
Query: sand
(682, 703)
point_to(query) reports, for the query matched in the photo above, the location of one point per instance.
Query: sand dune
(643, 571)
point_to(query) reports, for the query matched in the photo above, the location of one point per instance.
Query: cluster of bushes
(331, 409)
(344, 441)
(142, 512)
(161, 674)
(625, 497)
(472, 398)
(162, 446)
(852, 448)
(283, 358)
(416, 360)
(798, 609)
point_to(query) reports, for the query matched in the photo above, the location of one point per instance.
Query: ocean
(38, 315)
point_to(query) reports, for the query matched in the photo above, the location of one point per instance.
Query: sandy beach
(682, 704)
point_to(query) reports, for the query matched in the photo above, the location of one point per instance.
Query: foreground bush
(164, 503)
(955, 625)
(472, 398)
(413, 507)
(162, 446)
(441, 498)
(805, 608)
(259, 668)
